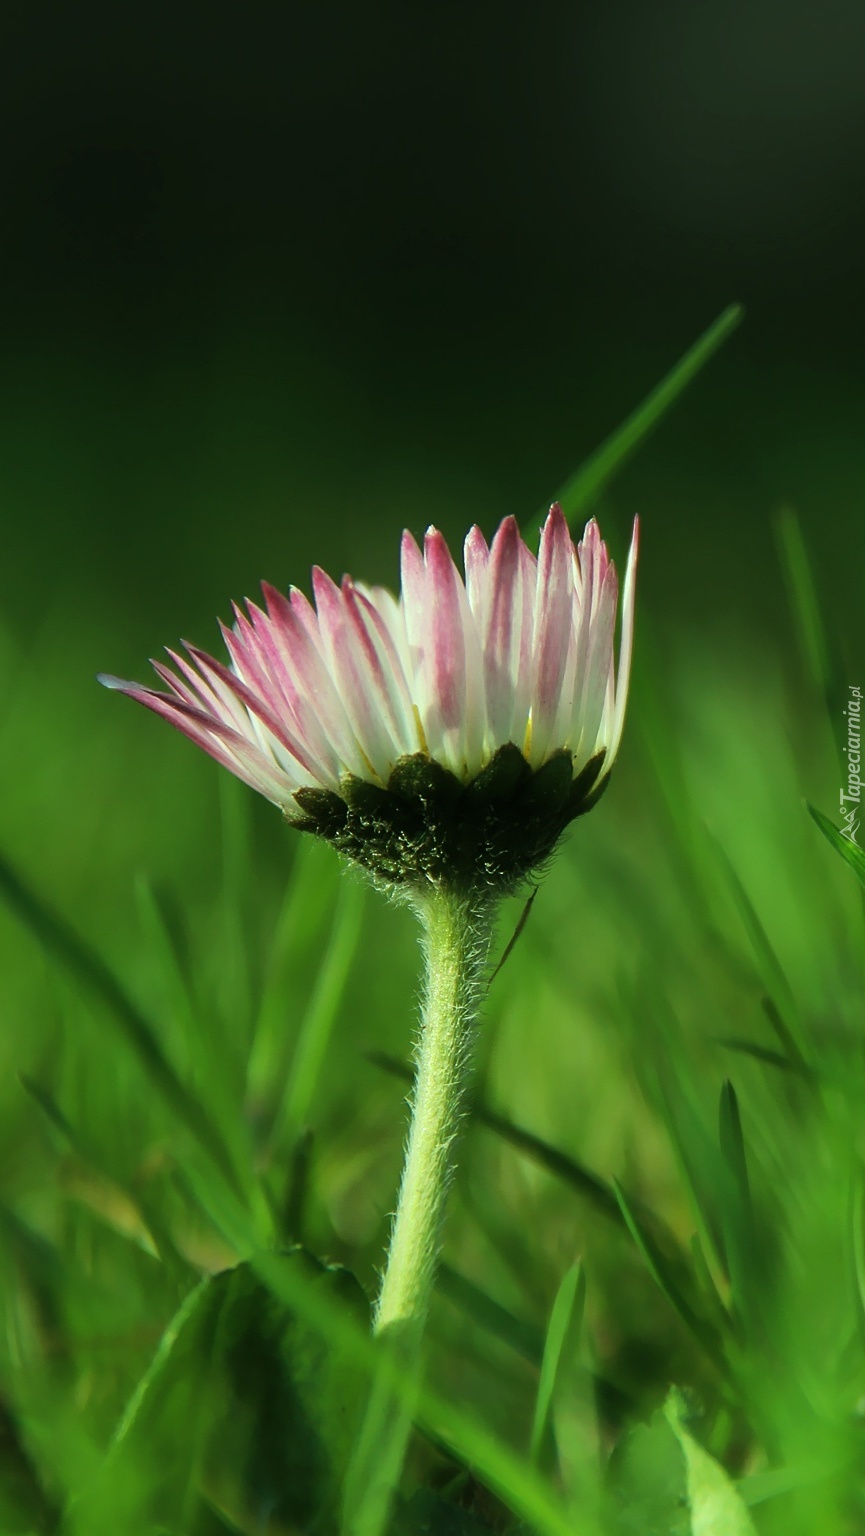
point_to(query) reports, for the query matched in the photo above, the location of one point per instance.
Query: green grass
(206, 1031)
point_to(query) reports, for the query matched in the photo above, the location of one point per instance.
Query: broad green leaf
(647, 1484)
(716, 1507)
(247, 1404)
(614, 452)
(444, 1420)
(663, 1483)
(850, 852)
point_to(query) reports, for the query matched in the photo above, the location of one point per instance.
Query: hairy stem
(457, 931)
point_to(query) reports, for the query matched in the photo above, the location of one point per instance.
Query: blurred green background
(277, 282)
(275, 285)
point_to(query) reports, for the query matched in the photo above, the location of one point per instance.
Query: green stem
(457, 932)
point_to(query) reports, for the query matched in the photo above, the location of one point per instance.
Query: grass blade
(850, 852)
(509, 947)
(238, 884)
(819, 647)
(78, 1143)
(733, 1143)
(524, 1337)
(168, 961)
(565, 1322)
(606, 460)
(780, 1006)
(661, 1273)
(760, 1053)
(376, 1467)
(736, 1207)
(315, 1029)
(89, 968)
(308, 903)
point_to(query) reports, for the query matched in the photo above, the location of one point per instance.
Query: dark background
(279, 279)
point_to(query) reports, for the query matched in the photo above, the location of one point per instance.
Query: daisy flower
(449, 734)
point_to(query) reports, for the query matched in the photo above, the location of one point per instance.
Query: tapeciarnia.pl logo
(852, 752)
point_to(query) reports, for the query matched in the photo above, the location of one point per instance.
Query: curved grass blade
(308, 903)
(694, 1150)
(819, 645)
(781, 1010)
(857, 1246)
(375, 1470)
(662, 1274)
(321, 1014)
(80, 1144)
(60, 939)
(606, 460)
(524, 1337)
(736, 1207)
(760, 1053)
(850, 852)
(733, 1143)
(509, 947)
(237, 985)
(565, 1322)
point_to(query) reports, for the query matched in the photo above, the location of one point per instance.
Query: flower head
(449, 734)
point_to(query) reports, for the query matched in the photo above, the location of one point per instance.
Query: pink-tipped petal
(447, 666)
(353, 665)
(382, 667)
(290, 647)
(553, 621)
(626, 646)
(229, 686)
(225, 745)
(592, 684)
(413, 587)
(507, 639)
(476, 557)
(446, 708)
